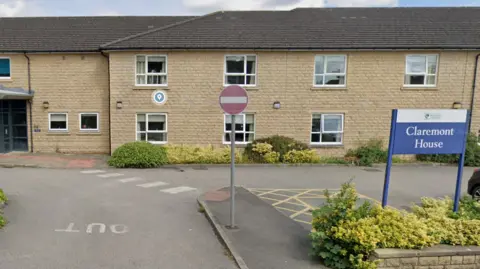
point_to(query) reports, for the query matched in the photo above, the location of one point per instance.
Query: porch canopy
(15, 93)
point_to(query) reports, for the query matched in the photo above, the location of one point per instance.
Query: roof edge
(156, 29)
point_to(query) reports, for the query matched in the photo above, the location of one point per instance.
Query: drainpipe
(30, 101)
(473, 91)
(109, 106)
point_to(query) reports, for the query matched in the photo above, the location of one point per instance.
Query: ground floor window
(88, 121)
(58, 121)
(244, 128)
(327, 129)
(152, 127)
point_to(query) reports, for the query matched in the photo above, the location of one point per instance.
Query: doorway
(13, 126)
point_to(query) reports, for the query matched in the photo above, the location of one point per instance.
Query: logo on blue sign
(159, 97)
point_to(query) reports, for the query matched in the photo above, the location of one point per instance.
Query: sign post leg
(391, 143)
(232, 174)
(458, 188)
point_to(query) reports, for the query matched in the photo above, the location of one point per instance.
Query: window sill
(89, 133)
(50, 132)
(418, 88)
(329, 88)
(150, 87)
(6, 79)
(326, 146)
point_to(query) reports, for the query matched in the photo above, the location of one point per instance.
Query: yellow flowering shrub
(301, 156)
(186, 154)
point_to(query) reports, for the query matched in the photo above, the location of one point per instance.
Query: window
(327, 129)
(421, 70)
(4, 68)
(152, 127)
(88, 121)
(58, 121)
(151, 70)
(240, 70)
(330, 70)
(244, 128)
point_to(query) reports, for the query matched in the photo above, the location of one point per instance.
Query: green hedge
(344, 235)
(472, 154)
(138, 155)
(3, 200)
(369, 153)
(280, 144)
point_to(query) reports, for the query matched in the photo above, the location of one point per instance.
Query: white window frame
(146, 70)
(9, 67)
(50, 122)
(225, 74)
(244, 115)
(426, 74)
(146, 128)
(322, 122)
(80, 121)
(315, 75)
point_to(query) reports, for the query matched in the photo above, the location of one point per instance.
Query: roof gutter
(472, 100)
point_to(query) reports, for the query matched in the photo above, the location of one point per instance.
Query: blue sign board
(427, 131)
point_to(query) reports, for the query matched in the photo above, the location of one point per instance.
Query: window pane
(141, 137)
(335, 64)
(334, 80)
(141, 122)
(250, 80)
(430, 80)
(156, 64)
(251, 64)
(414, 80)
(235, 64)
(236, 80)
(332, 123)
(58, 117)
(20, 144)
(331, 138)
(416, 64)
(156, 79)
(239, 137)
(319, 65)
(19, 118)
(316, 124)
(157, 137)
(58, 125)
(432, 64)
(89, 121)
(5, 68)
(315, 138)
(140, 64)
(318, 80)
(20, 131)
(249, 137)
(156, 123)
(141, 79)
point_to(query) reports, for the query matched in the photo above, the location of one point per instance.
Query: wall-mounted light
(457, 105)
(119, 104)
(276, 105)
(46, 105)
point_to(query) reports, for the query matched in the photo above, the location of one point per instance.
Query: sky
(18, 8)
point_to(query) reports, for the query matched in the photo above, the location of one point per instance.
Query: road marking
(178, 189)
(114, 229)
(101, 228)
(110, 175)
(92, 171)
(131, 179)
(69, 229)
(153, 184)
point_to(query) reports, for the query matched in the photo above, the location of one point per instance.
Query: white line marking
(131, 179)
(110, 175)
(233, 100)
(69, 229)
(153, 184)
(178, 189)
(114, 229)
(92, 171)
(90, 226)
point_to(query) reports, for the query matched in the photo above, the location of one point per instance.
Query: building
(327, 77)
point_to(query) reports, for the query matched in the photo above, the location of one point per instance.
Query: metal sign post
(428, 131)
(233, 101)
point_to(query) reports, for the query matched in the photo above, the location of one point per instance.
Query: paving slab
(265, 238)
(52, 160)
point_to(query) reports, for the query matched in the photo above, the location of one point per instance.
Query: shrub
(280, 144)
(3, 197)
(138, 155)
(301, 156)
(472, 154)
(185, 154)
(369, 153)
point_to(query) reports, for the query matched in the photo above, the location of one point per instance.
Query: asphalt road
(66, 219)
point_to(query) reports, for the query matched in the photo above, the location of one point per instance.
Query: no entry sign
(233, 99)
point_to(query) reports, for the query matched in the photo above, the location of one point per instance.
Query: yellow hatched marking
(267, 192)
(302, 221)
(292, 197)
(281, 201)
(299, 212)
(287, 209)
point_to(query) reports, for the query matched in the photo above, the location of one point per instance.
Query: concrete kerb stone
(221, 234)
(10, 165)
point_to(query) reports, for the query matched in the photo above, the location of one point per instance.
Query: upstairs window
(421, 70)
(4, 68)
(330, 70)
(240, 70)
(151, 70)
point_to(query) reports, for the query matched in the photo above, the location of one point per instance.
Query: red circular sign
(233, 99)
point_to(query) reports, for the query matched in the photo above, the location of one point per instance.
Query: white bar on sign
(432, 115)
(233, 100)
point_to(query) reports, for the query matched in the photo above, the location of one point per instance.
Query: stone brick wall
(438, 257)
(70, 83)
(373, 88)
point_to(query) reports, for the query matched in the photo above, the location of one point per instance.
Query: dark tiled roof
(72, 33)
(319, 28)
